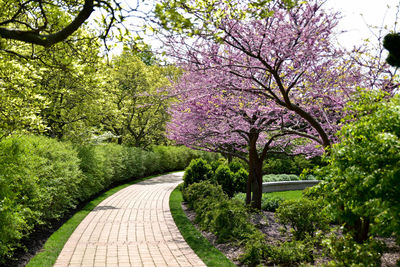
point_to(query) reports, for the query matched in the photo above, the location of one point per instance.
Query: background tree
(136, 102)
(20, 99)
(71, 82)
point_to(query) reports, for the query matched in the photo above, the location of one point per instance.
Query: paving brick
(134, 227)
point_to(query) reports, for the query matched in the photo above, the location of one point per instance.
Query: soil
(266, 223)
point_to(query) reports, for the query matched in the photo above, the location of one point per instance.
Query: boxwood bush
(227, 218)
(41, 179)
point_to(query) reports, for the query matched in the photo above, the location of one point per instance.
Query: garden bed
(268, 225)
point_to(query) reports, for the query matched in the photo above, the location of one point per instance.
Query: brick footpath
(134, 227)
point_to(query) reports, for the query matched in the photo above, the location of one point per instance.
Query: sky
(357, 14)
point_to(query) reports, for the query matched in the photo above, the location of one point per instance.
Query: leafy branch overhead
(46, 23)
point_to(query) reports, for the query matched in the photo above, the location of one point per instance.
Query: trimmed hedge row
(41, 179)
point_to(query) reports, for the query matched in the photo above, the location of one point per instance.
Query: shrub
(303, 215)
(227, 219)
(344, 251)
(254, 251)
(235, 166)
(232, 177)
(224, 177)
(201, 190)
(240, 180)
(289, 253)
(198, 170)
(216, 163)
(280, 177)
(270, 203)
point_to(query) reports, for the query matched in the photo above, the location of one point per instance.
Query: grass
(53, 246)
(287, 195)
(207, 252)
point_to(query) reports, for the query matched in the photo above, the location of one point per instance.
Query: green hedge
(41, 179)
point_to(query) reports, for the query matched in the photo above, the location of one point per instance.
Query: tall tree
(20, 99)
(136, 102)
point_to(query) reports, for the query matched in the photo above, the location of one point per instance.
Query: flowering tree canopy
(287, 59)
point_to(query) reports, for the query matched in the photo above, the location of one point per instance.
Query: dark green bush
(227, 219)
(232, 177)
(240, 180)
(235, 166)
(216, 163)
(224, 177)
(197, 171)
(254, 251)
(270, 203)
(289, 253)
(196, 192)
(303, 215)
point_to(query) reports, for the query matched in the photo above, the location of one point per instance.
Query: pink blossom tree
(233, 123)
(283, 65)
(287, 58)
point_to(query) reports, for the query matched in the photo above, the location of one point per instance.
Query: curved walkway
(134, 227)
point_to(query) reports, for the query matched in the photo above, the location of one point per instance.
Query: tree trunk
(119, 140)
(255, 172)
(361, 230)
(248, 188)
(256, 184)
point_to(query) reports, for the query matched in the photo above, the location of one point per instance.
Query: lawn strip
(207, 252)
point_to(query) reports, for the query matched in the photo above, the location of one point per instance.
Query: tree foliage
(136, 101)
(45, 23)
(362, 179)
